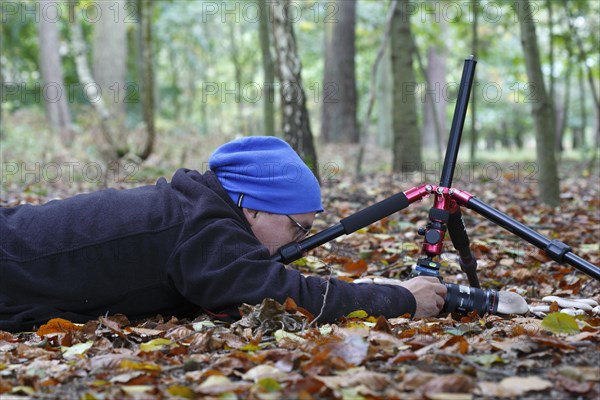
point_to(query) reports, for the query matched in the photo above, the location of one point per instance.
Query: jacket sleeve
(223, 266)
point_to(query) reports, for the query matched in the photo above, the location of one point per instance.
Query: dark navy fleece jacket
(171, 248)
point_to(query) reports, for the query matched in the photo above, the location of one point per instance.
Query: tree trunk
(373, 86)
(545, 123)
(431, 105)
(407, 142)
(384, 100)
(240, 121)
(434, 108)
(564, 115)
(583, 55)
(582, 109)
(473, 105)
(109, 66)
(2, 135)
(326, 134)
(295, 120)
(552, 80)
(268, 70)
(87, 81)
(54, 93)
(147, 76)
(338, 121)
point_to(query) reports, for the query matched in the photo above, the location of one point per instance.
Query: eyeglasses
(304, 231)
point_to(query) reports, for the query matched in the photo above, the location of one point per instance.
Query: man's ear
(250, 214)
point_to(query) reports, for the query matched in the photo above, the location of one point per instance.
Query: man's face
(276, 230)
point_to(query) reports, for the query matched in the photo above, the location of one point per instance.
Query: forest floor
(275, 352)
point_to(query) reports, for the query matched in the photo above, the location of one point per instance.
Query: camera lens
(464, 299)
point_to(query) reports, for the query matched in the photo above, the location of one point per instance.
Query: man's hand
(429, 293)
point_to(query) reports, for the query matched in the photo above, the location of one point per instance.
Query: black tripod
(444, 216)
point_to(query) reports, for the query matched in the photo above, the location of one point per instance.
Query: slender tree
(295, 121)
(238, 64)
(55, 98)
(545, 122)
(434, 107)
(473, 105)
(338, 121)
(86, 80)
(564, 114)
(147, 76)
(579, 132)
(583, 55)
(268, 70)
(109, 66)
(373, 89)
(384, 99)
(407, 141)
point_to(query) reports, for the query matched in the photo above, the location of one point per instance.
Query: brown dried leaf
(453, 383)
(403, 356)
(573, 386)
(352, 350)
(7, 337)
(356, 268)
(550, 341)
(456, 344)
(113, 326)
(57, 325)
(373, 380)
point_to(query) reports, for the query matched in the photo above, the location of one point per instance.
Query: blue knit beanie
(264, 173)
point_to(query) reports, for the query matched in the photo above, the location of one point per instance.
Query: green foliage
(199, 91)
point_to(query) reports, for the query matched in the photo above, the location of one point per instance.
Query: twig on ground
(328, 279)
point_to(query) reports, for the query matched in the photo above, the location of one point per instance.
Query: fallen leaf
(404, 356)
(137, 389)
(449, 396)
(77, 350)
(360, 314)
(156, 344)
(218, 384)
(28, 390)
(135, 365)
(513, 386)
(456, 344)
(263, 371)
(269, 385)
(57, 325)
(487, 360)
(353, 349)
(200, 326)
(376, 381)
(557, 322)
(113, 326)
(280, 335)
(452, 383)
(7, 337)
(573, 386)
(181, 391)
(356, 268)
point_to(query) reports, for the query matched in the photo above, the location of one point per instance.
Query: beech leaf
(557, 322)
(361, 314)
(77, 350)
(57, 325)
(156, 344)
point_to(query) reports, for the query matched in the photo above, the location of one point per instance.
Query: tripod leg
(460, 240)
(555, 249)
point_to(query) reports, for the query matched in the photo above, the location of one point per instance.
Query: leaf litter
(279, 351)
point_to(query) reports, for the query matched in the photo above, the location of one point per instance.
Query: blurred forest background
(124, 91)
